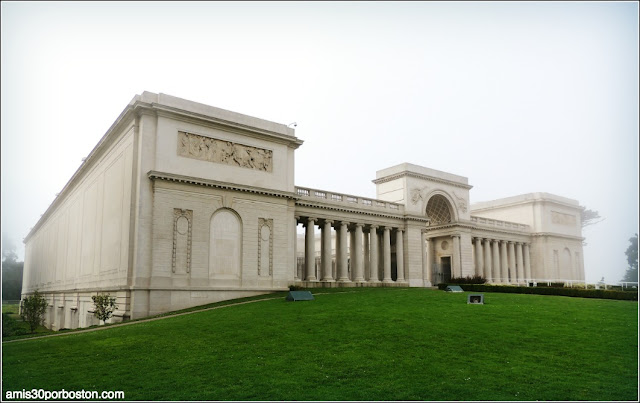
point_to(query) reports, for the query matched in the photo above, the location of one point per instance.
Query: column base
(376, 281)
(328, 280)
(344, 280)
(311, 279)
(359, 280)
(387, 280)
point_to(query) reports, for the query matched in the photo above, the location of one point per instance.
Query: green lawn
(372, 344)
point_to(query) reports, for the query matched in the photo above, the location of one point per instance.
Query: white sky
(518, 97)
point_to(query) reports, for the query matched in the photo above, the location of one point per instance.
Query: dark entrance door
(445, 263)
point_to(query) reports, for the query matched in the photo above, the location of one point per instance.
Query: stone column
(497, 278)
(327, 275)
(400, 255)
(512, 263)
(343, 274)
(479, 258)
(356, 255)
(373, 254)
(487, 260)
(519, 262)
(455, 264)
(367, 255)
(310, 250)
(426, 260)
(504, 264)
(386, 255)
(527, 262)
(296, 277)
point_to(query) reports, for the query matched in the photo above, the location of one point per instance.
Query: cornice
(155, 175)
(522, 202)
(344, 209)
(551, 234)
(419, 176)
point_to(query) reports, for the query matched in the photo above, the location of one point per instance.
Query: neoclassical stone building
(182, 204)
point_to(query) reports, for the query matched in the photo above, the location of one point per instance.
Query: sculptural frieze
(417, 194)
(224, 152)
(462, 202)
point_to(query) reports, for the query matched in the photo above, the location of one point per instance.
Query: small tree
(33, 310)
(104, 305)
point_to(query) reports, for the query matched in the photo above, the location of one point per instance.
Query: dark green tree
(104, 305)
(11, 271)
(632, 259)
(33, 309)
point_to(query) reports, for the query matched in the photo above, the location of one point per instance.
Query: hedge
(567, 292)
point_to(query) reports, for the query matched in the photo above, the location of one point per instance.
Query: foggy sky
(518, 97)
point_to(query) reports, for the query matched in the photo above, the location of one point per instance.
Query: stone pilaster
(456, 268)
(428, 257)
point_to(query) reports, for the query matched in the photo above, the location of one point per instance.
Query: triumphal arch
(182, 204)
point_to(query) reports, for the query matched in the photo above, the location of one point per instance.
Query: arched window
(438, 210)
(225, 247)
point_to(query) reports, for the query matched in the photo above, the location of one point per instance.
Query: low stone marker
(299, 296)
(475, 299)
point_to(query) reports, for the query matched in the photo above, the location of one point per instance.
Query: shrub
(468, 280)
(568, 292)
(104, 305)
(33, 310)
(554, 285)
(11, 327)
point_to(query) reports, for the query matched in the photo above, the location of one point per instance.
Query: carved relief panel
(182, 222)
(265, 246)
(224, 152)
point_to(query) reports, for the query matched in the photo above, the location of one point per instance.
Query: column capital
(297, 217)
(373, 227)
(510, 242)
(387, 228)
(309, 219)
(344, 224)
(330, 222)
(358, 225)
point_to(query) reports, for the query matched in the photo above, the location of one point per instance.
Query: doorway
(445, 264)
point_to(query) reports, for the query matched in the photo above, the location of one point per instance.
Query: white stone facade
(182, 204)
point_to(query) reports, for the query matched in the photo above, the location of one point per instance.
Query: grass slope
(372, 344)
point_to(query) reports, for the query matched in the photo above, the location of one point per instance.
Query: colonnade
(369, 253)
(501, 261)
